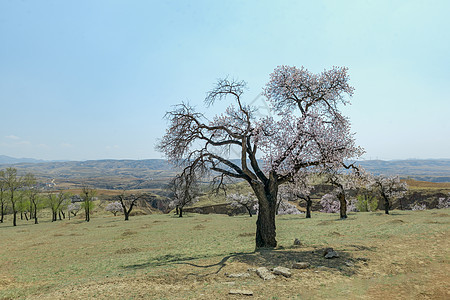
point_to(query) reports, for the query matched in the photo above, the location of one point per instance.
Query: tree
(308, 132)
(301, 188)
(329, 203)
(73, 208)
(3, 198)
(128, 201)
(32, 193)
(390, 187)
(114, 207)
(13, 183)
(248, 201)
(87, 194)
(184, 190)
(55, 202)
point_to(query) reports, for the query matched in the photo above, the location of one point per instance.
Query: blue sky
(86, 80)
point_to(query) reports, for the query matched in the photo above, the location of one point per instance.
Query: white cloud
(12, 137)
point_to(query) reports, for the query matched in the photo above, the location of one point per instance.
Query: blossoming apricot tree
(306, 132)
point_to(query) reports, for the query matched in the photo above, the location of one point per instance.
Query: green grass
(160, 251)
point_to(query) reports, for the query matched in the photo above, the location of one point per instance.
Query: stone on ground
(282, 271)
(241, 292)
(301, 265)
(264, 273)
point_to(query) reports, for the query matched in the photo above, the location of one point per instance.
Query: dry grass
(414, 184)
(399, 256)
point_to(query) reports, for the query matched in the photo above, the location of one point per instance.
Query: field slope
(404, 255)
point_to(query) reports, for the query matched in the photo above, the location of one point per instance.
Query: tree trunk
(180, 210)
(126, 216)
(265, 224)
(14, 218)
(87, 211)
(21, 215)
(35, 214)
(2, 213)
(26, 216)
(249, 211)
(386, 205)
(177, 210)
(343, 205)
(308, 207)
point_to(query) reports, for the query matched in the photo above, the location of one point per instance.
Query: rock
(251, 270)
(326, 250)
(297, 242)
(349, 264)
(282, 271)
(264, 273)
(238, 275)
(301, 265)
(241, 292)
(330, 253)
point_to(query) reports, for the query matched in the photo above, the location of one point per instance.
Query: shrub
(114, 207)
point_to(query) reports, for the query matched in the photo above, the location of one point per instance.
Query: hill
(433, 170)
(138, 173)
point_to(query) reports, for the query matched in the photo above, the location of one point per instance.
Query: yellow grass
(404, 255)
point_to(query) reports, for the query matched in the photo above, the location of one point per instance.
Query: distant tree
(184, 190)
(55, 201)
(300, 188)
(87, 195)
(23, 204)
(3, 198)
(13, 183)
(418, 206)
(114, 207)
(390, 187)
(64, 206)
(286, 208)
(329, 203)
(128, 201)
(248, 201)
(366, 200)
(443, 202)
(73, 209)
(33, 195)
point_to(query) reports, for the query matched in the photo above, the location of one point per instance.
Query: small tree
(73, 208)
(3, 198)
(444, 202)
(184, 190)
(128, 201)
(300, 188)
(114, 207)
(87, 195)
(55, 202)
(329, 203)
(286, 208)
(418, 206)
(32, 193)
(13, 183)
(248, 201)
(389, 188)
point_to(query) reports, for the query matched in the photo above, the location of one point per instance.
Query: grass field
(404, 255)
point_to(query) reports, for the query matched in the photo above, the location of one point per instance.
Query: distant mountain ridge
(435, 170)
(4, 159)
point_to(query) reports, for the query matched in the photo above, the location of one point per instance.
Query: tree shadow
(176, 259)
(347, 263)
